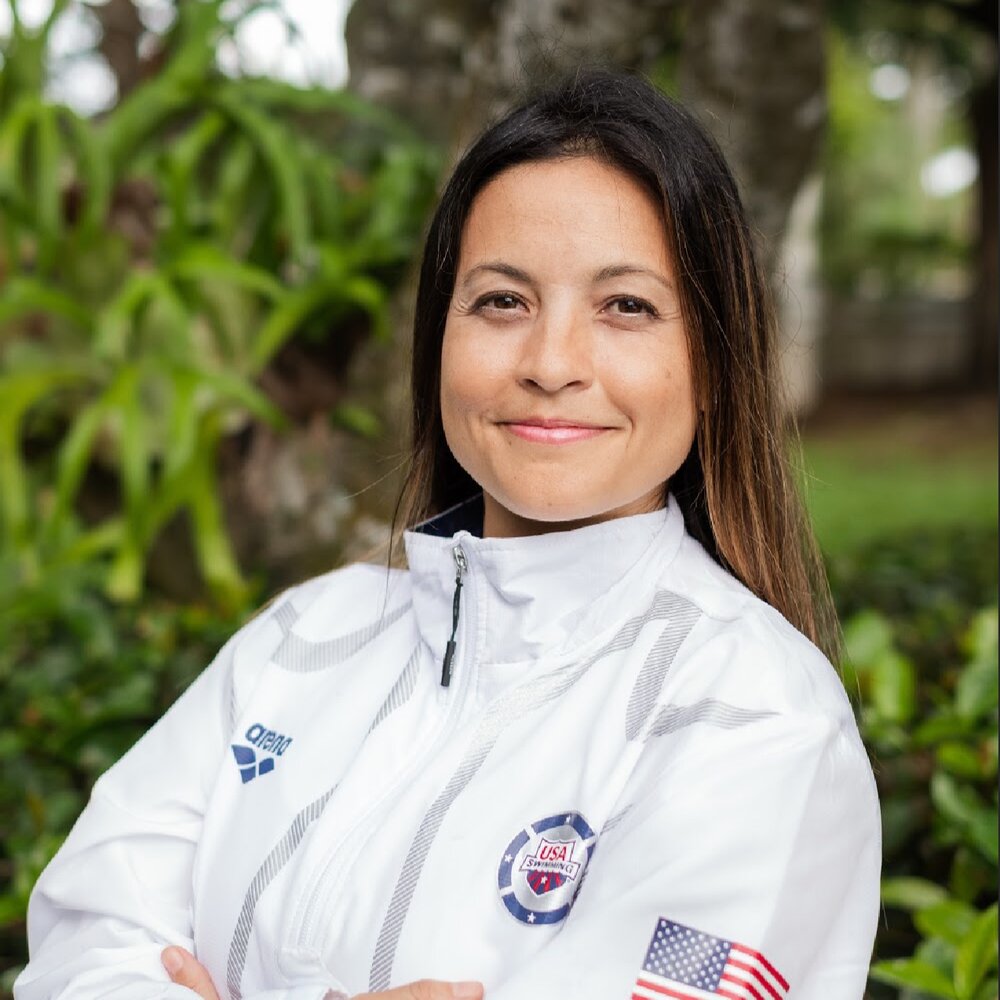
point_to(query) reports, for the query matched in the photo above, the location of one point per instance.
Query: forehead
(561, 213)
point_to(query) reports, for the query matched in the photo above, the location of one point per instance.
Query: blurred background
(209, 220)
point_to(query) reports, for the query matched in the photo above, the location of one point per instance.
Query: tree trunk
(986, 297)
(121, 29)
(449, 66)
(755, 71)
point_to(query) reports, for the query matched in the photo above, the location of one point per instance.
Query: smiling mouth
(552, 431)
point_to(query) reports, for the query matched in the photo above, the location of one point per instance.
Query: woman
(597, 669)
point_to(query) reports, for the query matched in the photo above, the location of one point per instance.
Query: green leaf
(15, 132)
(962, 807)
(115, 321)
(277, 149)
(867, 636)
(235, 214)
(355, 418)
(235, 389)
(135, 450)
(940, 728)
(73, 458)
(987, 990)
(181, 164)
(970, 875)
(124, 580)
(95, 172)
(19, 391)
(949, 919)
(284, 320)
(909, 893)
(960, 759)
(214, 552)
(106, 537)
(911, 972)
(976, 691)
(23, 296)
(182, 425)
(937, 952)
(276, 95)
(371, 297)
(203, 260)
(977, 954)
(902, 817)
(981, 640)
(893, 686)
(167, 325)
(47, 188)
(144, 112)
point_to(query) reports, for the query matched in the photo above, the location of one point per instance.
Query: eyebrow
(497, 267)
(604, 274)
(617, 270)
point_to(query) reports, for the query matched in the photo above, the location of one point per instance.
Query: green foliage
(160, 258)
(926, 583)
(879, 230)
(957, 956)
(153, 263)
(81, 678)
(924, 666)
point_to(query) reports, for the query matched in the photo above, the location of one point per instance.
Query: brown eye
(498, 302)
(629, 305)
(503, 302)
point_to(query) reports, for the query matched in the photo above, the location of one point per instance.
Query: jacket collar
(536, 596)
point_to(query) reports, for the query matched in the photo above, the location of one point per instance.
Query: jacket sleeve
(119, 890)
(747, 867)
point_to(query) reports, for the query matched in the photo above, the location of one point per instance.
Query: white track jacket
(639, 782)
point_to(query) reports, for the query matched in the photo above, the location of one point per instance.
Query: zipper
(318, 902)
(461, 566)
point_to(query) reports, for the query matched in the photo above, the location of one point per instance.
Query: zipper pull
(449, 652)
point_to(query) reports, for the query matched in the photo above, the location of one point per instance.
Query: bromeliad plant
(152, 264)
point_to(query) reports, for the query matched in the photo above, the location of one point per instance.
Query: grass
(873, 471)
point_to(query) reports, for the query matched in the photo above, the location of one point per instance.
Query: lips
(552, 431)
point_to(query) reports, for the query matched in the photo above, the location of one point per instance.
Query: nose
(557, 352)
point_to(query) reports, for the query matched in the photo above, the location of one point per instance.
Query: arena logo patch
(269, 744)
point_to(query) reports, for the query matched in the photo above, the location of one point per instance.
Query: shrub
(923, 663)
(81, 678)
(155, 261)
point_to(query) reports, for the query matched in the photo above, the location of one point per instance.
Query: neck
(500, 522)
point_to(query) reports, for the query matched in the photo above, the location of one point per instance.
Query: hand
(428, 989)
(185, 970)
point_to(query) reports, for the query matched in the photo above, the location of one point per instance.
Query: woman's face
(566, 387)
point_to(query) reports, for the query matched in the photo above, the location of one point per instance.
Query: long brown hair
(735, 487)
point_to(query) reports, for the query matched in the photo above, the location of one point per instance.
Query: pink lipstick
(553, 432)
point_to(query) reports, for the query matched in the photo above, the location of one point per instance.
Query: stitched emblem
(541, 870)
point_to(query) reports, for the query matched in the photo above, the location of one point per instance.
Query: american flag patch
(686, 964)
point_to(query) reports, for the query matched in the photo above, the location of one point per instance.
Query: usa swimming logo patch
(541, 869)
